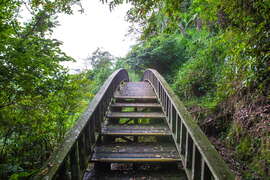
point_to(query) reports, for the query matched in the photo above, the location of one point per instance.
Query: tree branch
(6, 105)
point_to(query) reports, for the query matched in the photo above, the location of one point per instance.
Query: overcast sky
(81, 34)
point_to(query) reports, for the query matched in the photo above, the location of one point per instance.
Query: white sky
(82, 34)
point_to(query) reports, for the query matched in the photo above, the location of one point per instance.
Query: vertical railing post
(63, 172)
(183, 139)
(74, 163)
(87, 139)
(170, 114)
(178, 130)
(92, 130)
(174, 119)
(196, 163)
(166, 104)
(82, 152)
(205, 172)
(188, 154)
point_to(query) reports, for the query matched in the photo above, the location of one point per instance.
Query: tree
(155, 17)
(37, 96)
(164, 53)
(100, 59)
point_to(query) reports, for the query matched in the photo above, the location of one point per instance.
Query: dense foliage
(215, 53)
(39, 100)
(164, 53)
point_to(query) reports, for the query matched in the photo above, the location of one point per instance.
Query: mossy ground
(239, 127)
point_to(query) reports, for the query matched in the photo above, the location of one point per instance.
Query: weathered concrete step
(135, 115)
(135, 152)
(136, 130)
(140, 105)
(136, 97)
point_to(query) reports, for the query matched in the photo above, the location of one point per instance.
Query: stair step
(135, 115)
(135, 152)
(140, 174)
(136, 97)
(133, 130)
(142, 105)
(135, 89)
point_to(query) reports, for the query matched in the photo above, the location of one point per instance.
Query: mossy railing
(70, 159)
(199, 158)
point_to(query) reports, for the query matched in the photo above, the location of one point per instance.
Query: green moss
(252, 153)
(261, 162)
(244, 150)
(234, 134)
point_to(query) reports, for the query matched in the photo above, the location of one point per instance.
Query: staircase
(135, 130)
(136, 137)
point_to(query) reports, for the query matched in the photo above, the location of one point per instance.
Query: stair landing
(135, 89)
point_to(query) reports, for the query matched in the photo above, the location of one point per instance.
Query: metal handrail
(199, 158)
(69, 161)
